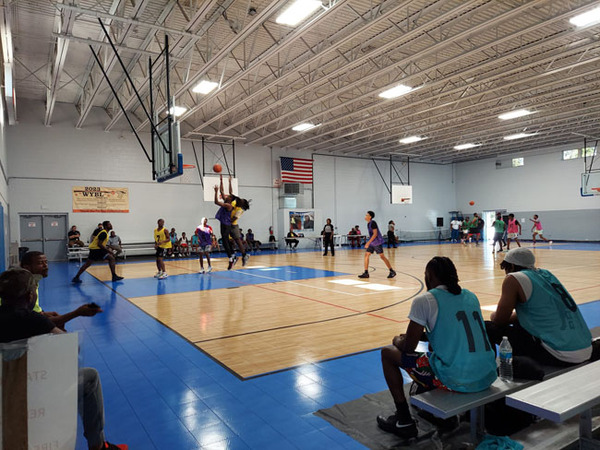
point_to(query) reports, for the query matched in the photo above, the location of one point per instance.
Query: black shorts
(375, 248)
(160, 252)
(97, 254)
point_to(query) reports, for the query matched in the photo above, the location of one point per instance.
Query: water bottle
(505, 358)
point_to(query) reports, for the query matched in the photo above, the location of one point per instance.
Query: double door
(45, 233)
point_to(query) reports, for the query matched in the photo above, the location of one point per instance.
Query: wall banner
(100, 199)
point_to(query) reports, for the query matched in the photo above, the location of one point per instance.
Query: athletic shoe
(550, 242)
(76, 280)
(157, 275)
(392, 273)
(109, 446)
(245, 259)
(234, 261)
(209, 270)
(391, 424)
(365, 274)
(324, 254)
(163, 276)
(202, 271)
(117, 278)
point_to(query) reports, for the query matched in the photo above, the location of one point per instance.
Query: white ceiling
(472, 60)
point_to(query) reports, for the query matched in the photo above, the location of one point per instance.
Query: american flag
(296, 170)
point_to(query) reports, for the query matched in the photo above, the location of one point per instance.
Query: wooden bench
(563, 397)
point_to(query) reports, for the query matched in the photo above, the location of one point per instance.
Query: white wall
(46, 162)
(546, 185)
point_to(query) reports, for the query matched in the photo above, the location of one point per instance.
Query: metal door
(55, 237)
(45, 233)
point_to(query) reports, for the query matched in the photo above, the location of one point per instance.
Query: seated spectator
(75, 238)
(195, 243)
(174, 244)
(291, 239)
(538, 315)
(184, 245)
(461, 357)
(252, 243)
(114, 243)
(98, 229)
(19, 321)
(354, 237)
(37, 264)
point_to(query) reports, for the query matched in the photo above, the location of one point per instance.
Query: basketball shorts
(235, 231)
(418, 368)
(97, 254)
(160, 252)
(513, 235)
(206, 248)
(375, 249)
(498, 236)
(538, 231)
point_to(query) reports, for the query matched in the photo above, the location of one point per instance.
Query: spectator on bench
(184, 245)
(538, 315)
(291, 239)
(461, 357)
(75, 237)
(114, 243)
(19, 321)
(354, 237)
(98, 229)
(252, 243)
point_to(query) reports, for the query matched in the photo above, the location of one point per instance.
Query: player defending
(499, 226)
(374, 244)
(513, 230)
(98, 252)
(162, 243)
(537, 230)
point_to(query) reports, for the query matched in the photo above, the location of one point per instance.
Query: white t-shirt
(456, 224)
(424, 309)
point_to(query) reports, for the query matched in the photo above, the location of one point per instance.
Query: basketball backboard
(401, 194)
(166, 152)
(590, 183)
(212, 181)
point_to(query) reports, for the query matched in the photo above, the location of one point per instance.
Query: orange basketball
(217, 168)
(471, 203)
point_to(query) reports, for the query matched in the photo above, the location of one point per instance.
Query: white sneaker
(158, 274)
(163, 276)
(209, 270)
(202, 271)
(550, 242)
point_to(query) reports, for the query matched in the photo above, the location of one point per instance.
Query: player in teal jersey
(461, 359)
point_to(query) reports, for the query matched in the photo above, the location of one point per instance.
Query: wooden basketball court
(260, 324)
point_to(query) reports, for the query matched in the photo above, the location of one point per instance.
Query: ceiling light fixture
(587, 18)
(514, 114)
(465, 146)
(177, 110)
(205, 87)
(412, 139)
(518, 136)
(305, 126)
(396, 91)
(298, 11)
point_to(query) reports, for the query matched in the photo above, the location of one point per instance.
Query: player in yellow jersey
(99, 252)
(162, 242)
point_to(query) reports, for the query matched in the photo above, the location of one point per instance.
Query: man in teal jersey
(461, 359)
(499, 227)
(538, 315)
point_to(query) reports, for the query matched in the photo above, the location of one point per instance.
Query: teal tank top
(462, 357)
(552, 315)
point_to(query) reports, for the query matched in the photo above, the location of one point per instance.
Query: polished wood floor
(260, 328)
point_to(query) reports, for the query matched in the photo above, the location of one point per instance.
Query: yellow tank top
(95, 244)
(236, 213)
(161, 235)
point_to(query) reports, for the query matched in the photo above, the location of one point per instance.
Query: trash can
(22, 251)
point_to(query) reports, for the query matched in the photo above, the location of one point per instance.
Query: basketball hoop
(189, 166)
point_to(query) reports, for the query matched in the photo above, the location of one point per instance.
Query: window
(571, 154)
(518, 162)
(589, 151)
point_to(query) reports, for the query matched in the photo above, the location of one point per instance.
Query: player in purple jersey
(375, 244)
